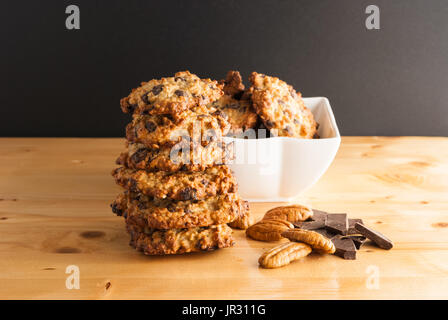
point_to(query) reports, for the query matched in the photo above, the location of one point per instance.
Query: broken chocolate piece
(358, 241)
(325, 233)
(319, 215)
(351, 225)
(345, 248)
(379, 239)
(337, 223)
(310, 225)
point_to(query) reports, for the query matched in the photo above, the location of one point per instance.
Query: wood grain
(54, 212)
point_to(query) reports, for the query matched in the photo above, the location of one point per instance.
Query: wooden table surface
(54, 212)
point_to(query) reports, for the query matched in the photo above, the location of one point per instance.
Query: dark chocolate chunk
(289, 130)
(337, 223)
(133, 185)
(188, 194)
(345, 248)
(379, 239)
(145, 98)
(358, 241)
(150, 126)
(311, 225)
(139, 155)
(319, 215)
(171, 207)
(351, 225)
(179, 93)
(142, 205)
(157, 89)
(325, 233)
(116, 209)
(269, 124)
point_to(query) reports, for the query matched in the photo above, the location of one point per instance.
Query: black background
(59, 82)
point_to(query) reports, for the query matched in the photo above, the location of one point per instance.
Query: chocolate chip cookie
(178, 241)
(169, 214)
(178, 185)
(235, 105)
(160, 130)
(181, 157)
(238, 113)
(172, 96)
(281, 108)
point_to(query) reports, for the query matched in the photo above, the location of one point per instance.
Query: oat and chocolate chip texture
(172, 95)
(181, 157)
(170, 214)
(178, 185)
(178, 241)
(281, 107)
(155, 131)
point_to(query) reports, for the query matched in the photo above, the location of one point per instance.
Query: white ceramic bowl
(280, 168)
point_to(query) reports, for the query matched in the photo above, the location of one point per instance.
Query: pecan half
(284, 254)
(314, 239)
(268, 229)
(293, 213)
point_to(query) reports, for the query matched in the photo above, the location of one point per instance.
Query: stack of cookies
(179, 194)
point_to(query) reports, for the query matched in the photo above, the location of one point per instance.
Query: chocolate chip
(289, 130)
(179, 78)
(238, 95)
(232, 106)
(144, 98)
(116, 209)
(139, 155)
(171, 207)
(131, 107)
(150, 126)
(133, 185)
(179, 93)
(219, 113)
(142, 205)
(188, 194)
(269, 124)
(157, 89)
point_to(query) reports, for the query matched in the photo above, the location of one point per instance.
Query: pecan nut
(315, 240)
(284, 254)
(293, 213)
(268, 229)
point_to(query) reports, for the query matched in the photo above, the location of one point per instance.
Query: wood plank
(52, 191)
